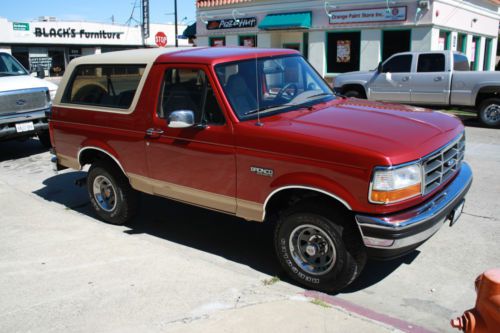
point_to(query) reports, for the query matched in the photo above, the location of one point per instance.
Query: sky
(161, 11)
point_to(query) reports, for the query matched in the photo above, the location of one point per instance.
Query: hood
(8, 83)
(351, 128)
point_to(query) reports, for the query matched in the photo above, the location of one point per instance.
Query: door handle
(438, 78)
(406, 78)
(154, 132)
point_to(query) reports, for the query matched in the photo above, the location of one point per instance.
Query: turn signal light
(396, 195)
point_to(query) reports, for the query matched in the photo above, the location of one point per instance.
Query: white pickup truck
(436, 78)
(24, 102)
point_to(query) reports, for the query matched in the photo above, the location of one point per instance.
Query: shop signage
(73, 33)
(161, 39)
(21, 26)
(145, 18)
(44, 62)
(247, 22)
(75, 51)
(391, 14)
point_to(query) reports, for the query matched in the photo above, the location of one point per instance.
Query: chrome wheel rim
(312, 249)
(492, 113)
(104, 193)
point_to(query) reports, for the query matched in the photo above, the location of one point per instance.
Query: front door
(195, 164)
(432, 83)
(393, 82)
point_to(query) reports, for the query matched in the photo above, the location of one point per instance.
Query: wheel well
(288, 197)
(487, 92)
(90, 156)
(357, 87)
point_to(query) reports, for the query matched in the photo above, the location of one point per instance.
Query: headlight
(396, 184)
(52, 94)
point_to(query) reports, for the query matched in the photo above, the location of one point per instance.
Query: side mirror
(181, 119)
(379, 67)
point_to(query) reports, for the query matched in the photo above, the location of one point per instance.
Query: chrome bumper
(399, 233)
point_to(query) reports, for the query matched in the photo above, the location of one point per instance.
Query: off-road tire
(487, 115)
(350, 252)
(125, 197)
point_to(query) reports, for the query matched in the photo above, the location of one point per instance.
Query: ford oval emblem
(450, 163)
(20, 102)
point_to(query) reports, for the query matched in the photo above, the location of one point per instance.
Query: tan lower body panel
(245, 209)
(68, 162)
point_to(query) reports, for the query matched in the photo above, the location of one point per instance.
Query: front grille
(443, 164)
(18, 101)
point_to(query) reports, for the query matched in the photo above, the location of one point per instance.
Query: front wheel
(489, 112)
(318, 247)
(110, 193)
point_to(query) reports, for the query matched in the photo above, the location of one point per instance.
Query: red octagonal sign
(161, 39)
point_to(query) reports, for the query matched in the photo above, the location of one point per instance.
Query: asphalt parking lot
(179, 268)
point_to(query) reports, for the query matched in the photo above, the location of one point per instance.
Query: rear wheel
(489, 112)
(110, 193)
(318, 247)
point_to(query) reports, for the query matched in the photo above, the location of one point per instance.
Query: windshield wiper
(266, 108)
(8, 74)
(318, 95)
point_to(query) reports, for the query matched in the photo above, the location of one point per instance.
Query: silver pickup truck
(436, 78)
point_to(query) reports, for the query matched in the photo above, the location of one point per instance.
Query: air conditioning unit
(423, 4)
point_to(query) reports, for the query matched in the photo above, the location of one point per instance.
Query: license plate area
(25, 127)
(456, 213)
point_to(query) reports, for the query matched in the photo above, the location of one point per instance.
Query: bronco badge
(262, 171)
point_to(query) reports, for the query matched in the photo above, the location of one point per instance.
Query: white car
(25, 102)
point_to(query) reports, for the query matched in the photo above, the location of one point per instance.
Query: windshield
(10, 66)
(271, 85)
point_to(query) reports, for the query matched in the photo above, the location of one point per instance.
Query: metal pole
(176, 33)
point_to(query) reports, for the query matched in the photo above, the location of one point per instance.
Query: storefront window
(444, 40)
(487, 55)
(342, 53)
(218, 41)
(462, 43)
(248, 41)
(395, 41)
(476, 47)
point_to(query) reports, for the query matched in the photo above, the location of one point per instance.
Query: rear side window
(112, 86)
(460, 62)
(398, 64)
(432, 62)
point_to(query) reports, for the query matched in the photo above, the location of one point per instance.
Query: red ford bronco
(257, 133)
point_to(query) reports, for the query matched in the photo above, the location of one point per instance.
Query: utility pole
(176, 33)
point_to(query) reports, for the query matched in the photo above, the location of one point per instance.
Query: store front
(338, 37)
(49, 46)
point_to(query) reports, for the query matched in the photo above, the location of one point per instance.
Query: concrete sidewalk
(64, 271)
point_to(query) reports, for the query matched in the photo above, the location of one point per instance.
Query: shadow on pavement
(14, 149)
(247, 243)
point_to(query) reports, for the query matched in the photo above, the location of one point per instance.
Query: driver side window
(190, 89)
(398, 64)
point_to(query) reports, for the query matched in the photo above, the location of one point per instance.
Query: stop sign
(161, 39)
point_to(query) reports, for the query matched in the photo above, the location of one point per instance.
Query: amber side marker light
(396, 195)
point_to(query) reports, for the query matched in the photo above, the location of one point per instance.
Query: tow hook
(81, 182)
(485, 316)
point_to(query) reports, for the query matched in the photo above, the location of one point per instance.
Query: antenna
(132, 18)
(258, 123)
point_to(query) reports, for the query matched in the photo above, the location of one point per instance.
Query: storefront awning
(190, 31)
(286, 21)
